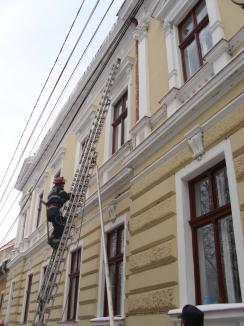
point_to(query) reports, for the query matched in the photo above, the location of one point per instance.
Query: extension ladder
(75, 206)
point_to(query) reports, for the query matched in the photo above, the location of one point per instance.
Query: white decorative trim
(73, 247)
(195, 141)
(185, 260)
(109, 227)
(231, 314)
(104, 321)
(9, 302)
(141, 31)
(237, 39)
(141, 130)
(112, 186)
(121, 85)
(190, 110)
(219, 55)
(24, 296)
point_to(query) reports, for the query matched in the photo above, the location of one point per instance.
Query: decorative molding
(161, 254)
(195, 140)
(188, 111)
(156, 301)
(114, 184)
(141, 31)
(231, 314)
(24, 172)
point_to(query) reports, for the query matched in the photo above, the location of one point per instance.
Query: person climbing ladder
(55, 200)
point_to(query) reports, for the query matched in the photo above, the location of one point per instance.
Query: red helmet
(59, 181)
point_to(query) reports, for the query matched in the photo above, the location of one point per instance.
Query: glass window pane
(125, 130)
(117, 110)
(119, 289)
(202, 197)
(186, 27)
(229, 260)
(207, 265)
(112, 244)
(201, 11)
(191, 59)
(121, 239)
(112, 275)
(117, 137)
(205, 40)
(222, 186)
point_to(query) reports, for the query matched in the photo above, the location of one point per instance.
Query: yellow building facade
(171, 167)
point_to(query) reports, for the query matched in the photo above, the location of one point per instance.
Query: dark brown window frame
(39, 209)
(120, 120)
(74, 277)
(212, 217)
(116, 260)
(27, 298)
(1, 300)
(197, 28)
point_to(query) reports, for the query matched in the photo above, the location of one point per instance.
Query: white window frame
(73, 248)
(24, 297)
(57, 164)
(220, 152)
(100, 307)
(172, 12)
(122, 84)
(10, 300)
(44, 264)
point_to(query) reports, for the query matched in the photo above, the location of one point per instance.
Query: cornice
(37, 246)
(217, 86)
(26, 167)
(113, 185)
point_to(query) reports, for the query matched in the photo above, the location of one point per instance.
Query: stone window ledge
(231, 314)
(104, 321)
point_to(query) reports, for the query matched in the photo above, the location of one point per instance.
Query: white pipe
(105, 257)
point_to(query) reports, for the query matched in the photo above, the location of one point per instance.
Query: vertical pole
(105, 257)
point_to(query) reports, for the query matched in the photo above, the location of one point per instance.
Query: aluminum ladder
(75, 206)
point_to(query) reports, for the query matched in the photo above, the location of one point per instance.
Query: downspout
(135, 22)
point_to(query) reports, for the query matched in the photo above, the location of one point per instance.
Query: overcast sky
(31, 34)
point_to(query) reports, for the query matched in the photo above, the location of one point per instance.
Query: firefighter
(56, 199)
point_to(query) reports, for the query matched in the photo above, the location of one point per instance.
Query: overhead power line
(41, 92)
(100, 68)
(48, 100)
(89, 43)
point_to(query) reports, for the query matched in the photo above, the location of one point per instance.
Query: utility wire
(72, 74)
(49, 97)
(89, 43)
(106, 57)
(41, 92)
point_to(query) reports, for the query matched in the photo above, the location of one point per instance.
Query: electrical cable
(50, 95)
(99, 25)
(72, 74)
(41, 92)
(101, 64)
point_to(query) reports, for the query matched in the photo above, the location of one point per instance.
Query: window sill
(229, 314)
(68, 322)
(104, 321)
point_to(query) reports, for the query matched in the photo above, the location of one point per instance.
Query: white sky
(31, 34)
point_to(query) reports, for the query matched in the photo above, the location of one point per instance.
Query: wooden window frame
(120, 120)
(1, 300)
(194, 35)
(210, 218)
(117, 260)
(74, 277)
(27, 298)
(39, 209)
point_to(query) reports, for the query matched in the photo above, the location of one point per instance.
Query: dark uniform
(56, 199)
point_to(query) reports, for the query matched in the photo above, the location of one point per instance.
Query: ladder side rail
(91, 156)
